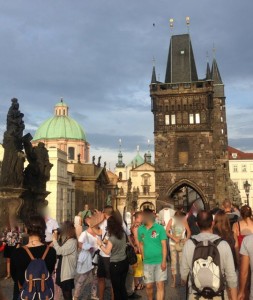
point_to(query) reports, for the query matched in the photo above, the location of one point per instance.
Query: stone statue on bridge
(14, 157)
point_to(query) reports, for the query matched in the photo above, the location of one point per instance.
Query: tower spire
(215, 73)
(120, 163)
(153, 78)
(148, 155)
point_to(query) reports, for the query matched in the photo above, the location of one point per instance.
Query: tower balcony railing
(182, 87)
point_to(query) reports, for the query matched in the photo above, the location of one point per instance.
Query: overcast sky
(98, 54)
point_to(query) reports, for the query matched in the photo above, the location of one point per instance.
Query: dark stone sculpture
(37, 173)
(93, 159)
(99, 162)
(14, 158)
(22, 192)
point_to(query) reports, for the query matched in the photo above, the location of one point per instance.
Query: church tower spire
(120, 163)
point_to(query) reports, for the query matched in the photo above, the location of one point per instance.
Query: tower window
(173, 119)
(183, 151)
(197, 118)
(64, 112)
(221, 119)
(194, 118)
(167, 120)
(191, 118)
(71, 153)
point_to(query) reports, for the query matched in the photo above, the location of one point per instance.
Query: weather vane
(153, 61)
(171, 24)
(214, 51)
(187, 20)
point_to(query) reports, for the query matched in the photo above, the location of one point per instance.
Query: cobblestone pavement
(6, 287)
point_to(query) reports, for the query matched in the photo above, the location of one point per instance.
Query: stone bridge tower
(190, 127)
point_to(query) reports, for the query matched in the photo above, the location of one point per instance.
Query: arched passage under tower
(184, 193)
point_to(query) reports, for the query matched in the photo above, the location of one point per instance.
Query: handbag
(95, 258)
(179, 246)
(130, 254)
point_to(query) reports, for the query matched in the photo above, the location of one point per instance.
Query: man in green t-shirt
(152, 238)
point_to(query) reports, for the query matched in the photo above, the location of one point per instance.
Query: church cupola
(61, 109)
(148, 157)
(120, 163)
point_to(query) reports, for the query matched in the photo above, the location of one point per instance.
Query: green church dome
(60, 126)
(137, 160)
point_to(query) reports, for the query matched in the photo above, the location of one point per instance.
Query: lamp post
(116, 193)
(247, 190)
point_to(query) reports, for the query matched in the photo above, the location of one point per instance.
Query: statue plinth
(10, 203)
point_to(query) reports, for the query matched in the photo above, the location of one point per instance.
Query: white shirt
(165, 215)
(51, 225)
(103, 227)
(84, 262)
(88, 241)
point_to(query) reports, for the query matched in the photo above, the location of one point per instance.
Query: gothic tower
(190, 127)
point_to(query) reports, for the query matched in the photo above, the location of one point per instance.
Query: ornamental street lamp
(116, 193)
(247, 190)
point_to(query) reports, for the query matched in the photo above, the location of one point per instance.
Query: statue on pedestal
(14, 157)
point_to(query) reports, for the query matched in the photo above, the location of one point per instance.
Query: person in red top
(242, 228)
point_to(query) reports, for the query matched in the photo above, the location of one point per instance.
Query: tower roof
(181, 65)
(153, 78)
(208, 72)
(215, 73)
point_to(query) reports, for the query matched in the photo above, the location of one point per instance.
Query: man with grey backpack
(208, 264)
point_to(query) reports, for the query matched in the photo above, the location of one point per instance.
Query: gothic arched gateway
(184, 193)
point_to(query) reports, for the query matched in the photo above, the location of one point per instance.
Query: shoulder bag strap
(104, 236)
(45, 253)
(239, 227)
(29, 252)
(87, 237)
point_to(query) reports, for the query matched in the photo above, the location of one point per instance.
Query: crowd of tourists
(210, 254)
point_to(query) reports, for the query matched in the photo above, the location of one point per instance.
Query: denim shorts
(154, 273)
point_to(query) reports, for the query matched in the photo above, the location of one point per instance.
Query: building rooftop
(235, 154)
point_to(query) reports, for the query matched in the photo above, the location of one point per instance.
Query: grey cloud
(98, 56)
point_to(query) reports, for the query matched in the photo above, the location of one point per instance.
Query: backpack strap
(45, 253)
(217, 242)
(29, 252)
(195, 242)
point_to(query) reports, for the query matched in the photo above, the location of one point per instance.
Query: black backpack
(206, 277)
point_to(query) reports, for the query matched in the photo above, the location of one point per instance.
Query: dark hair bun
(36, 225)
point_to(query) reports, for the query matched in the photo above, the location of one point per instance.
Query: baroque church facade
(190, 128)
